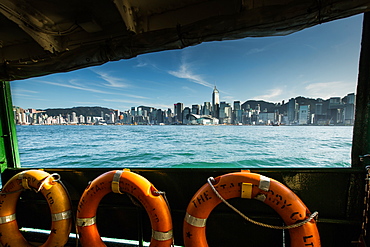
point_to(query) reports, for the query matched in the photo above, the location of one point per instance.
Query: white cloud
(111, 80)
(92, 90)
(85, 103)
(133, 96)
(255, 50)
(74, 87)
(329, 89)
(161, 106)
(124, 101)
(138, 103)
(19, 90)
(189, 89)
(184, 72)
(272, 95)
(141, 64)
(228, 98)
(27, 96)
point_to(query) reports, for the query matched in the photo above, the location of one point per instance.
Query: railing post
(361, 130)
(9, 155)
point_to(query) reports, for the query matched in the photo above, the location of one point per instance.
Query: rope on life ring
(250, 185)
(56, 196)
(124, 181)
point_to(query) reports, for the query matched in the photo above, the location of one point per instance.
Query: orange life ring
(58, 201)
(271, 192)
(123, 181)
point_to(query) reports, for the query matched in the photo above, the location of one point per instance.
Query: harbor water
(122, 146)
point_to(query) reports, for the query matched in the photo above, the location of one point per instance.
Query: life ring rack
(296, 216)
(124, 181)
(56, 196)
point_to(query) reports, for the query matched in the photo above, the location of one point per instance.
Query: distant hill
(252, 104)
(283, 106)
(94, 111)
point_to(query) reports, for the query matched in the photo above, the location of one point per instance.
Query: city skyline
(179, 101)
(318, 62)
(297, 111)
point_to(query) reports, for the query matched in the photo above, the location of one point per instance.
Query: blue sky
(318, 62)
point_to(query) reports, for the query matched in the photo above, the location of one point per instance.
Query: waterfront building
(304, 114)
(185, 115)
(168, 116)
(110, 118)
(74, 118)
(140, 112)
(267, 118)
(237, 113)
(335, 110)
(320, 117)
(206, 108)
(292, 111)
(116, 113)
(237, 105)
(215, 103)
(126, 118)
(195, 109)
(133, 111)
(349, 109)
(225, 113)
(202, 119)
(81, 119)
(258, 109)
(238, 117)
(178, 108)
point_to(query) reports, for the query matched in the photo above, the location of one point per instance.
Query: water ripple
(185, 146)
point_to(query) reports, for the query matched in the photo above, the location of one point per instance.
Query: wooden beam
(127, 13)
(33, 23)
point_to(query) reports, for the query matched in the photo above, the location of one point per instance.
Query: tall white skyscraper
(215, 103)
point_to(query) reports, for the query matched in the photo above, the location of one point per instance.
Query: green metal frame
(9, 155)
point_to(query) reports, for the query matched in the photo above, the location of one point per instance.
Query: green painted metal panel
(9, 155)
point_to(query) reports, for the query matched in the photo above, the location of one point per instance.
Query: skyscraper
(215, 103)
(195, 109)
(185, 114)
(206, 108)
(237, 113)
(292, 111)
(225, 113)
(304, 114)
(178, 108)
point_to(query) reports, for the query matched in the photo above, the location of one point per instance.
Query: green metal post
(361, 131)
(9, 155)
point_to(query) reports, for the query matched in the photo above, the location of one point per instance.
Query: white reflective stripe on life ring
(264, 183)
(162, 236)
(61, 216)
(194, 221)
(115, 181)
(86, 221)
(6, 219)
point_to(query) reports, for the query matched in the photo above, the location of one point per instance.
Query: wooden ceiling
(39, 37)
